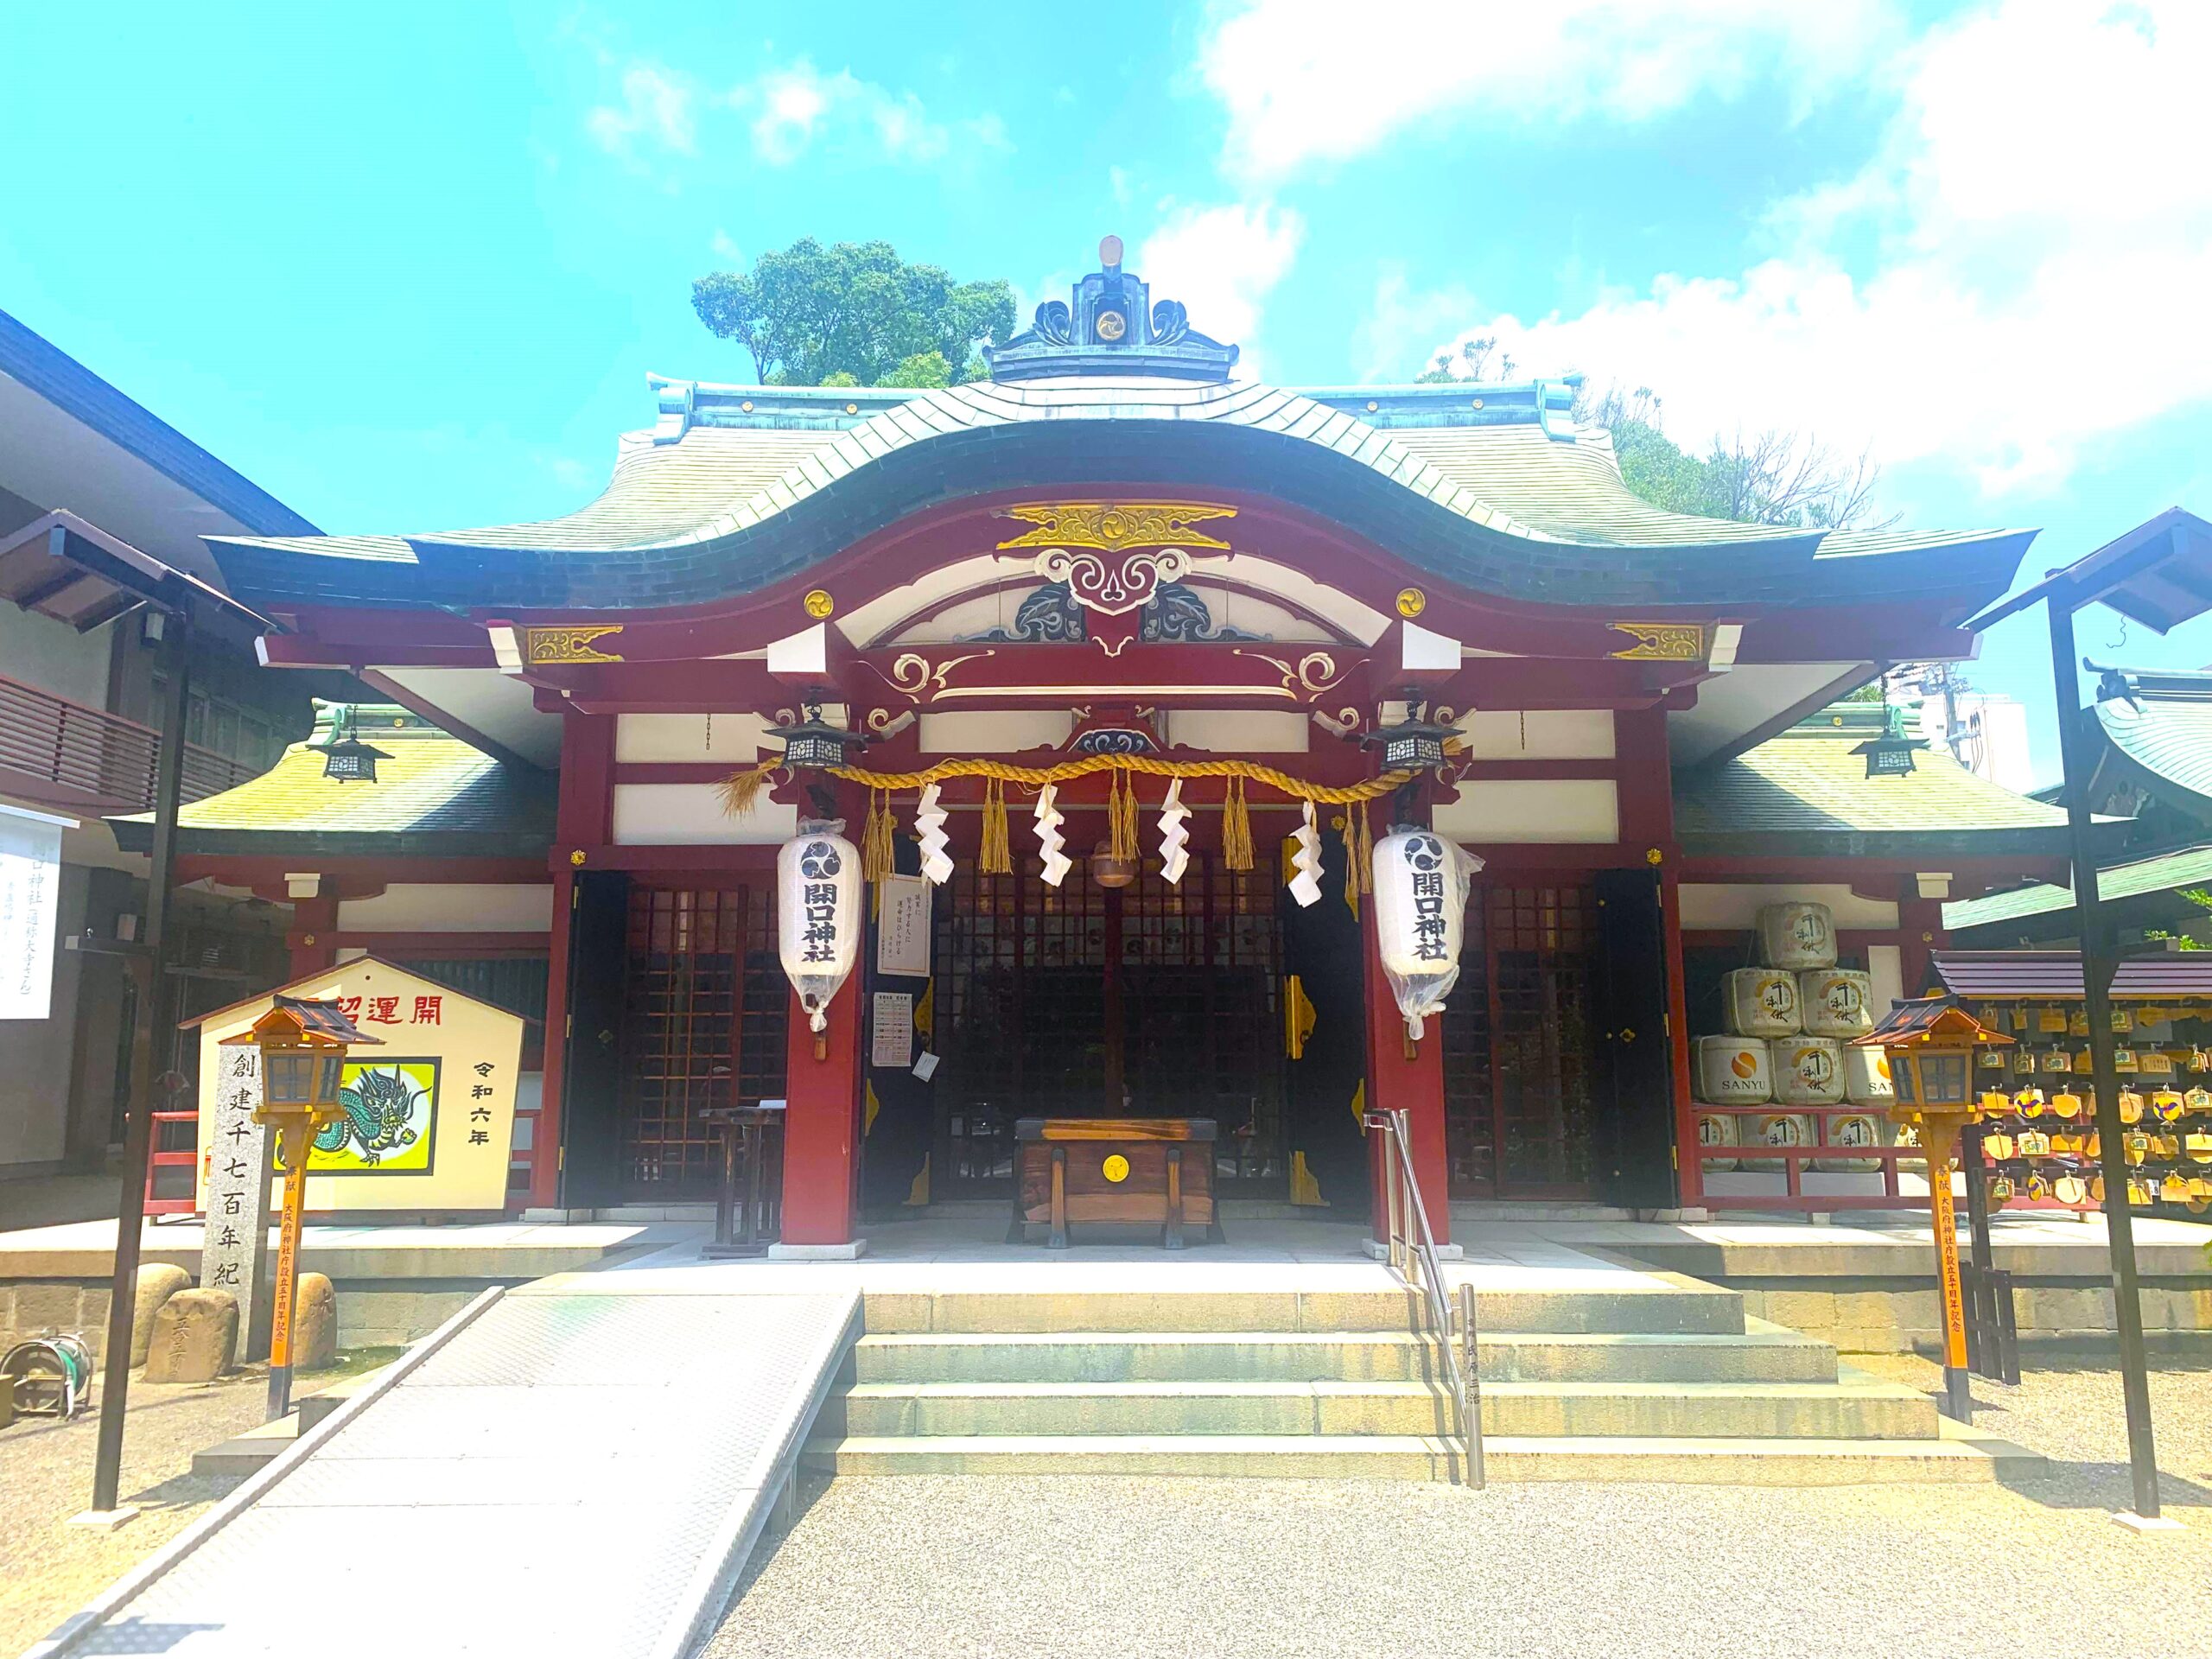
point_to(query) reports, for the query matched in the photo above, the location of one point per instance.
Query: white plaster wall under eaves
(1732, 705)
(498, 705)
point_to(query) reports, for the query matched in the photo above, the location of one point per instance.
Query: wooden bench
(1132, 1171)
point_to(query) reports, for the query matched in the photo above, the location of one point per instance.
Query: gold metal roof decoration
(1661, 642)
(1111, 526)
(569, 644)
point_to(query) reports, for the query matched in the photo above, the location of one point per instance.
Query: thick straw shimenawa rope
(741, 789)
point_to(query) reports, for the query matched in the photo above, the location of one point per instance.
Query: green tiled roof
(2166, 732)
(740, 485)
(1806, 791)
(435, 795)
(2191, 868)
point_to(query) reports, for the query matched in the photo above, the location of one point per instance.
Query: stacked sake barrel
(1788, 1019)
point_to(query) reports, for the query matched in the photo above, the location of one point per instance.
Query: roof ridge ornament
(1110, 324)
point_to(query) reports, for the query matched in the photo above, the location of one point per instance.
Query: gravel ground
(47, 1568)
(1165, 1568)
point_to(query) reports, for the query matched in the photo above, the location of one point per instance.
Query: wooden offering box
(1133, 1171)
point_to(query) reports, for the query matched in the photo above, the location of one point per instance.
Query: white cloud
(1398, 337)
(1222, 262)
(1316, 80)
(794, 107)
(655, 108)
(2041, 217)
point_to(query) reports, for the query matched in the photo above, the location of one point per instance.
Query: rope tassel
(876, 854)
(997, 855)
(1121, 817)
(740, 791)
(1236, 826)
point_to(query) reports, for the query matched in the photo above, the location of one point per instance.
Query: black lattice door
(1519, 1046)
(704, 1021)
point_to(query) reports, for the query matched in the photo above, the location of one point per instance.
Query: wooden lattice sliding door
(703, 1019)
(1518, 1047)
(1157, 1001)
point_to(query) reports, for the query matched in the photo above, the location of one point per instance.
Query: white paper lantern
(1420, 910)
(818, 914)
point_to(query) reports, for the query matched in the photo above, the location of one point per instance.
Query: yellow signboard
(428, 1119)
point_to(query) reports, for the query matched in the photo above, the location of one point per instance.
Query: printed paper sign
(902, 934)
(894, 1030)
(30, 887)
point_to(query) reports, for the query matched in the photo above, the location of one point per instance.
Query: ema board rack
(2044, 1152)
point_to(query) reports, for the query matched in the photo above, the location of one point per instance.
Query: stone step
(1647, 1304)
(1765, 1353)
(1858, 1410)
(1956, 1455)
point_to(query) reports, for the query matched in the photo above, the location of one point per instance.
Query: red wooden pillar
(1405, 1076)
(314, 924)
(1919, 935)
(823, 1104)
(822, 1129)
(583, 816)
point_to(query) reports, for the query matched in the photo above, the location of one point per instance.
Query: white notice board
(30, 891)
(892, 1044)
(902, 932)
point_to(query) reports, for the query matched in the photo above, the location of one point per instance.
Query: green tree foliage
(811, 315)
(922, 369)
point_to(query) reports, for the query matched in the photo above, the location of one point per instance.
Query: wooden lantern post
(1930, 1043)
(303, 1045)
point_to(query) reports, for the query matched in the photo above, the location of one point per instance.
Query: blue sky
(411, 272)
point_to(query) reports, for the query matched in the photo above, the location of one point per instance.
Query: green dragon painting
(378, 1106)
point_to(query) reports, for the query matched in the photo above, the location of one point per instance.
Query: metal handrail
(1413, 1259)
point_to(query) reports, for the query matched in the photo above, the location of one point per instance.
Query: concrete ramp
(569, 1471)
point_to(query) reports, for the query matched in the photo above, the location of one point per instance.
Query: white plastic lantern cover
(1420, 912)
(818, 914)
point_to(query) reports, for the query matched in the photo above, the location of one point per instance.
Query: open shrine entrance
(1084, 1000)
(1148, 1001)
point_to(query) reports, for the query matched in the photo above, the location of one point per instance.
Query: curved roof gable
(740, 487)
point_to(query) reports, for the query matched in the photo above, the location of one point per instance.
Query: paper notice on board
(902, 927)
(893, 1027)
(30, 891)
(926, 1065)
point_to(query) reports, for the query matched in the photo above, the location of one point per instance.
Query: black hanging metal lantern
(1414, 744)
(813, 744)
(1891, 754)
(345, 758)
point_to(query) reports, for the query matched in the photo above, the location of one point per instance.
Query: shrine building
(1241, 634)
